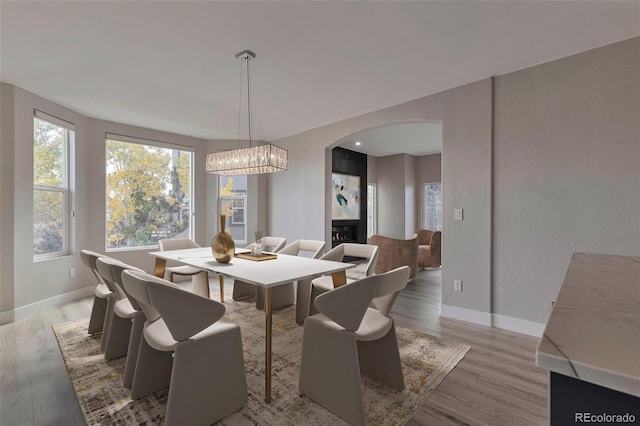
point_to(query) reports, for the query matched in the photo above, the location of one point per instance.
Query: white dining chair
(352, 334)
(101, 293)
(199, 277)
(121, 319)
(364, 255)
(206, 378)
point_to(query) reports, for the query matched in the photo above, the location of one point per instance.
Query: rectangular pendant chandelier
(254, 160)
(248, 161)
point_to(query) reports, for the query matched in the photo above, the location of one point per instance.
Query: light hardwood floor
(496, 383)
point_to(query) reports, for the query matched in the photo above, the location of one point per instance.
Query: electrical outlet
(457, 214)
(72, 273)
(457, 285)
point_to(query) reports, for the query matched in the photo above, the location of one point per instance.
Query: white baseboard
(518, 325)
(33, 308)
(464, 314)
(505, 322)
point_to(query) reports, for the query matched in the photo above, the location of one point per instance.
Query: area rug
(426, 360)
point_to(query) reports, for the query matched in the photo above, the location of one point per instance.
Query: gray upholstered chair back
(89, 258)
(184, 313)
(272, 244)
(177, 244)
(365, 251)
(136, 284)
(314, 248)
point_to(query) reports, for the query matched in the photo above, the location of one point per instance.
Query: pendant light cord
(249, 100)
(240, 105)
(248, 55)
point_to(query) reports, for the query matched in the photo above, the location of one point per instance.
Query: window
(149, 193)
(237, 216)
(232, 203)
(372, 208)
(432, 206)
(52, 139)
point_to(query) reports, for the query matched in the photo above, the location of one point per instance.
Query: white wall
(25, 285)
(23, 280)
(567, 172)
(429, 168)
(396, 181)
(409, 195)
(425, 169)
(7, 294)
(391, 196)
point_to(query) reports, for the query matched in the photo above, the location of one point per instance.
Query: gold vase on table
(222, 245)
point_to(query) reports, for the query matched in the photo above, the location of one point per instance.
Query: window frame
(65, 189)
(236, 208)
(238, 194)
(374, 214)
(154, 144)
(424, 205)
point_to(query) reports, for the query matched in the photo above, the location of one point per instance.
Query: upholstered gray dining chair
(352, 334)
(366, 256)
(242, 289)
(121, 318)
(112, 297)
(101, 293)
(199, 277)
(206, 378)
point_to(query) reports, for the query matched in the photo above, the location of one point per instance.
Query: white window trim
(423, 201)
(68, 213)
(228, 222)
(152, 142)
(375, 207)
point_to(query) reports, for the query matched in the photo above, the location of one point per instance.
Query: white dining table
(266, 273)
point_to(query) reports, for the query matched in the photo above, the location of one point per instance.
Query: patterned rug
(426, 360)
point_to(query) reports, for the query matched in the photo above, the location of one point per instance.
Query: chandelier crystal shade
(254, 159)
(248, 161)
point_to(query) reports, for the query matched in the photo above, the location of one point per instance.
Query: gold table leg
(158, 270)
(339, 278)
(267, 350)
(221, 288)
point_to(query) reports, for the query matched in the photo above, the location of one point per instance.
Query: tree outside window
(148, 194)
(50, 189)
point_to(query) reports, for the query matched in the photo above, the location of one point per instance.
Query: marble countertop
(593, 333)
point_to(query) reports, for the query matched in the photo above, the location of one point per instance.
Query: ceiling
(171, 65)
(409, 138)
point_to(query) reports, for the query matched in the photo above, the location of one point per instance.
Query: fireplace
(344, 234)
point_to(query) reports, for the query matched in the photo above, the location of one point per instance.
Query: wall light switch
(457, 285)
(457, 214)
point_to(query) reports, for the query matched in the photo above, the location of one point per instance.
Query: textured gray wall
(391, 196)
(466, 116)
(566, 171)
